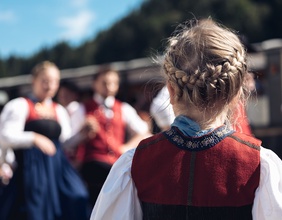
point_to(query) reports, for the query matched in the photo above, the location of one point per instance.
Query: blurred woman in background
(44, 185)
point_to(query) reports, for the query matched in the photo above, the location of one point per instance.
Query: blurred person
(110, 120)
(7, 164)
(200, 168)
(68, 96)
(161, 109)
(7, 157)
(44, 185)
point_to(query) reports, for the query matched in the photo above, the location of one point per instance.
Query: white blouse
(134, 123)
(161, 109)
(118, 198)
(13, 119)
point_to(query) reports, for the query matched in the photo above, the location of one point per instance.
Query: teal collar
(189, 127)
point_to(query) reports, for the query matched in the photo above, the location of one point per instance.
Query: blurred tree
(84, 55)
(2, 68)
(144, 31)
(14, 66)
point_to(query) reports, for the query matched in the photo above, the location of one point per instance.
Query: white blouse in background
(13, 119)
(132, 120)
(161, 109)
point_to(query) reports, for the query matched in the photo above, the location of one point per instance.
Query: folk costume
(116, 120)
(43, 187)
(187, 173)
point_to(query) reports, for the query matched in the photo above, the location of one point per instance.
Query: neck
(42, 101)
(205, 119)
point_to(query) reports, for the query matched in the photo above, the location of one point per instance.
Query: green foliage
(144, 32)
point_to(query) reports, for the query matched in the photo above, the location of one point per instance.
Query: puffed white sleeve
(268, 196)
(135, 124)
(118, 198)
(68, 137)
(64, 121)
(12, 122)
(161, 109)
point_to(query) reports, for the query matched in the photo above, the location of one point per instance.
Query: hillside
(144, 31)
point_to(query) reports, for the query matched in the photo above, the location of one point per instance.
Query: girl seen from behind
(200, 168)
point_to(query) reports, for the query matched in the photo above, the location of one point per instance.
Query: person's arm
(268, 196)
(12, 133)
(87, 127)
(7, 159)
(12, 122)
(137, 127)
(76, 112)
(118, 198)
(64, 121)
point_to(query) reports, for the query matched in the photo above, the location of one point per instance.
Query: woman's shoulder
(18, 99)
(16, 102)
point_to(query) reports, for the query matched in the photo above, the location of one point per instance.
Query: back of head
(69, 85)
(206, 65)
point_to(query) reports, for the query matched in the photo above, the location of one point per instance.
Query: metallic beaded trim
(197, 143)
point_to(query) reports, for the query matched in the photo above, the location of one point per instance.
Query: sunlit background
(81, 35)
(27, 26)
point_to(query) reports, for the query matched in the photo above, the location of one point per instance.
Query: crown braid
(206, 63)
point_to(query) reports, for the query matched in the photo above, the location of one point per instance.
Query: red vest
(43, 120)
(111, 135)
(33, 113)
(220, 169)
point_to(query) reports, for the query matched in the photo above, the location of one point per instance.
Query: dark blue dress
(44, 187)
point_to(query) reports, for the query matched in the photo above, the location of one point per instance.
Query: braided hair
(206, 64)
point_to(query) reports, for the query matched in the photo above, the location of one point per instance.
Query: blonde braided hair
(206, 64)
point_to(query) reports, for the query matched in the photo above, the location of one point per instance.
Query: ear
(171, 92)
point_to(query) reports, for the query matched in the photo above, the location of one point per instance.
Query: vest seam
(253, 146)
(191, 178)
(144, 145)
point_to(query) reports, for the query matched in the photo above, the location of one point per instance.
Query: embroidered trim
(197, 143)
